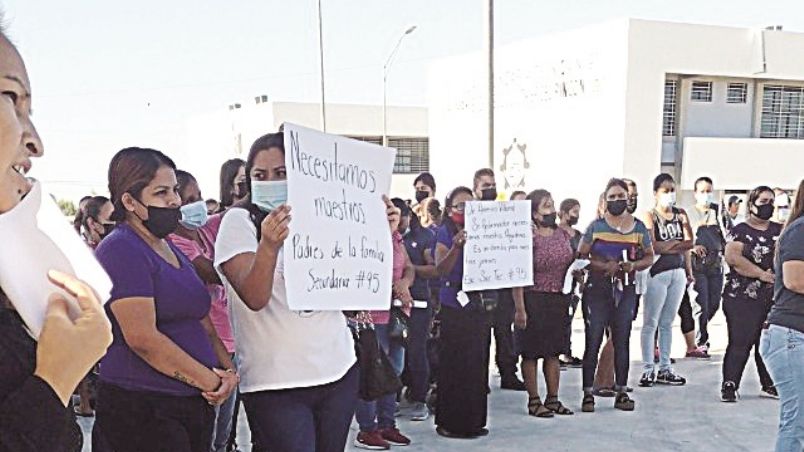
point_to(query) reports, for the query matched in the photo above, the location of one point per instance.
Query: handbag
(377, 376)
(398, 325)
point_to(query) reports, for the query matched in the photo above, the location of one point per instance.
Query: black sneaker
(769, 392)
(575, 362)
(728, 393)
(648, 380)
(667, 377)
(512, 383)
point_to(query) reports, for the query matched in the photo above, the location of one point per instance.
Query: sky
(111, 74)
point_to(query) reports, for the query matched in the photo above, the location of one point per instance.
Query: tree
(67, 207)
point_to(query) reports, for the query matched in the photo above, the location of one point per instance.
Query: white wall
(717, 118)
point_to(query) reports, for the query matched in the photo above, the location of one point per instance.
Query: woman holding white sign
(299, 380)
(463, 375)
(38, 378)
(542, 309)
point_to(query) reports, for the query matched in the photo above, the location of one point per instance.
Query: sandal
(554, 405)
(623, 402)
(537, 409)
(588, 403)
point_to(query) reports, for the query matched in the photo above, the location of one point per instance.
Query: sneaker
(394, 437)
(699, 353)
(419, 412)
(769, 392)
(667, 377)
(575, 362)
(512, 383)
(648, 380)
(371, 441)
(623, 402)
(728, 393)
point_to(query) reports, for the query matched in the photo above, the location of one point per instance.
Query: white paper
(499, 245)
(338, 255)
(417, 304)
(579, 264)
(38, 238)
(463, 299)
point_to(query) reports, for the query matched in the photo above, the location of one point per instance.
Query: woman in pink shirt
(376, 418)
(195, 237)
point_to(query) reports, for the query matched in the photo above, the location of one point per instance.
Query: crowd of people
(198, 326)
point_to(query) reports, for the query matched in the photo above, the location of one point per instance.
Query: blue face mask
(194, 215)
(269, 195)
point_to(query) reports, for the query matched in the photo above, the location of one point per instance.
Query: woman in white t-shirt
(299, 378)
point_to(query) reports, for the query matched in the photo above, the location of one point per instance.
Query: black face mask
(421, 195)
(241, 190)
(162, 221)
(764, 212)
(572, 221)
(488, 194)
(617, 207)
(548, 221)
(107, 229)
(632, 205)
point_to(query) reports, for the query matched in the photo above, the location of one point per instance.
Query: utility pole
(489, 44)
(321, 64)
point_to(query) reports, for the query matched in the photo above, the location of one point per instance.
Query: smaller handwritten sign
(499, 245)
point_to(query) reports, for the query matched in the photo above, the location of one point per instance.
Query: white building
(225, 134)
(628, 98)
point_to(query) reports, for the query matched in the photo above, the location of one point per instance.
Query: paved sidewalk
(689, 418)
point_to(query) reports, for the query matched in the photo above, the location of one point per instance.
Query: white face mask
(667, 199)
(269, 195)
(194, 215)
(704, 199)
(784, 213)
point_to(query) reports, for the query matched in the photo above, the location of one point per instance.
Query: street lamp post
(385, 85)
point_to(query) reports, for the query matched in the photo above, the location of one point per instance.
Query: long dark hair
(130, 171)
(446, 221)
(263, 143)
(229, 171)
(797, 210)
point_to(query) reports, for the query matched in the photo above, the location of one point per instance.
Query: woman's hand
(401, 290)
(459, 240)
(768, 277)
(68, 349)
(274, 228)
(229, 381)
(521, 319)
(393, 214)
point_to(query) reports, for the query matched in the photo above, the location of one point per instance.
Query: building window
(701, 92)
(412, 153)
(782, 112)
(737, 93)
(669, 115)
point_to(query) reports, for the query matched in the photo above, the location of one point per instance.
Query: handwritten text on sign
(499, 245)
(338, 255)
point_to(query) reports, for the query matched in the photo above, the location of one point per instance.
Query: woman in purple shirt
(463, 375)
(166, 368)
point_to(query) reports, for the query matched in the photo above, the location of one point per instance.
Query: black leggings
(685, 312)
(744, 319)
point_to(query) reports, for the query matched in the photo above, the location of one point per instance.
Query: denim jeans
(783, 351)
(416, 353)
(380, 413)
(605, 307)
(661, 303)
(708, 290)
(223, 421)
(314, 419)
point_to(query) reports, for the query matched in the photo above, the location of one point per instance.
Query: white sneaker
(419, 412)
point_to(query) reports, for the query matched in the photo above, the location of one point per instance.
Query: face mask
(269, 195)
(667, 199)
(457, 218)
(162, 221)
(488, 194)
(194, 215)
(764, 212)
(572, 221)
(241, 191)
(547, 221)
(421, 195)
(704, 199)
(784, 213)
(617, 207)
(631, 205)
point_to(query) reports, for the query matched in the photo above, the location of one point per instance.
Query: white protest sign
(38, 239)
(499, 245)
(338, 255)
